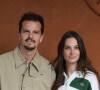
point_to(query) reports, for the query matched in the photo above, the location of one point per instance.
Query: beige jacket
(15, 75)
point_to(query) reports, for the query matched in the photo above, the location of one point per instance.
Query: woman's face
(71, 51)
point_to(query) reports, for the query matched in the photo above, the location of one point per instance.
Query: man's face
(30, 35)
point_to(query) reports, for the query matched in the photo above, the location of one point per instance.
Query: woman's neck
(70, 69)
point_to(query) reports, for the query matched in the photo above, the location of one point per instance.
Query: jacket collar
(19, 59)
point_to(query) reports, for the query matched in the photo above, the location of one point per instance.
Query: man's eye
(36, 32)
(25, 31)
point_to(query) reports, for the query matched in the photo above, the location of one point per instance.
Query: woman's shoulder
(90, 73)
(91, 76)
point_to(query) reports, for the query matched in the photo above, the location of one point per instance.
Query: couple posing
(25, 69)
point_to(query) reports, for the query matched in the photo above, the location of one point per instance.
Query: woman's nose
(72, 51)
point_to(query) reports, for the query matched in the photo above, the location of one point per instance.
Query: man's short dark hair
(32, 17)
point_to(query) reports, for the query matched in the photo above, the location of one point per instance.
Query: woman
(73, 69)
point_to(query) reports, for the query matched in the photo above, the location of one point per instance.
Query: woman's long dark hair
(83, 62)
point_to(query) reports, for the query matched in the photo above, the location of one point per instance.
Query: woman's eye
(76, 47)
(67, 48)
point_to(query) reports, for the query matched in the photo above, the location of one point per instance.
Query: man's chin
(29, 48)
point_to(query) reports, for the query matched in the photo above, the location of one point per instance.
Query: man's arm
(53, 75)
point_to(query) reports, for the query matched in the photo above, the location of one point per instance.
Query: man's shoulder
(6, 55)
(5, 59)
(43, 59)
(46, 62)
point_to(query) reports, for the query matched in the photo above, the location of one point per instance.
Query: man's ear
(41, 39)
(19, 35)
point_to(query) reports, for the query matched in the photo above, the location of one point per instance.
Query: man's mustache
(30, 40)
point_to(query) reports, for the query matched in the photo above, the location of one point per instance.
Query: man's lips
(30, 40)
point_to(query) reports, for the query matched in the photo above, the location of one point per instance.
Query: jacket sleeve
(53, 76)
(0, 77)
(0, 80)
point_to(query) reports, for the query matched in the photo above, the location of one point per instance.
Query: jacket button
(23, 87)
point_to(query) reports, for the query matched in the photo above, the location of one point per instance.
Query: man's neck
(28, 54)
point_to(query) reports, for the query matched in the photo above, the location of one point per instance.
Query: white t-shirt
(90, 82)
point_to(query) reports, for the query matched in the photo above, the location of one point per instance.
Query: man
(24, 68)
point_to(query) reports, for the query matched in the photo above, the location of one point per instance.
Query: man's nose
(30, 35)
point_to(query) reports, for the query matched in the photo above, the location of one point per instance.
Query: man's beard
(29, 48)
